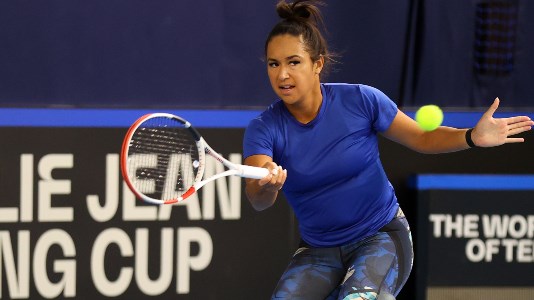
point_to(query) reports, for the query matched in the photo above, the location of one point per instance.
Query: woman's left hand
(490, 132)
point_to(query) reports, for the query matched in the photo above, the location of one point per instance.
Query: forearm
(260, 197)
(442, 140)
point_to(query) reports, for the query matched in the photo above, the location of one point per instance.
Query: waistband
(394, 224)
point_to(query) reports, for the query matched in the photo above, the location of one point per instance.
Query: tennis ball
(429, 117)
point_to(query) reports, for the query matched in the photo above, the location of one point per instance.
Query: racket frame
(203, 149)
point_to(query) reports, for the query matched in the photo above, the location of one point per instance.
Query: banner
(70, 228)
(475, 231)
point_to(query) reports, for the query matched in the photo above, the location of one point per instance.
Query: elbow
(257, 203)
(260, 205)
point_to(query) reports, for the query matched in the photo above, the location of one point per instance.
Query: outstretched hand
(490, 132)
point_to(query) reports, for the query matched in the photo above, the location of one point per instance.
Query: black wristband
(468, 138)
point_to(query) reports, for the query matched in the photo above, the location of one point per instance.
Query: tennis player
(319, 140)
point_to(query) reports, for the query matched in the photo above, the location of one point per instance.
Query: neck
(306, 111)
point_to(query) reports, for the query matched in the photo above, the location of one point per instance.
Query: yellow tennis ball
(429, 117)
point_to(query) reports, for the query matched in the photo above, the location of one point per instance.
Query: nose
(283, 73)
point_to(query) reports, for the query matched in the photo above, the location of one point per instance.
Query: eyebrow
(287, 58)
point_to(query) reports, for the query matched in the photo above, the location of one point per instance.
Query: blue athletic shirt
(335, 183)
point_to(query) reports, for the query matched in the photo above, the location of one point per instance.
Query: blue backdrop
(208, 53)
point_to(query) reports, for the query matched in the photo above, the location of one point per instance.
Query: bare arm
(488, 132)
(407, 132)
(262, 193)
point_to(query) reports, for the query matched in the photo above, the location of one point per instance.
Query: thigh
(313, 273)
(380, 264)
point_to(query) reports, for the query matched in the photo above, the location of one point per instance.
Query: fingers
(518, 129)
(275, 179)
(515, 140)
(523, 125)
(278, 177)
(491, 110)
(519, 121)
(518, 125)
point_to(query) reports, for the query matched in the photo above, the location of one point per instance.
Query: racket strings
(165, 157)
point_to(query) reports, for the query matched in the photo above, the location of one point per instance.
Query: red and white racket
(163, 159)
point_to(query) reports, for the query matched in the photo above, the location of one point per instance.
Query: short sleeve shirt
(335, 183)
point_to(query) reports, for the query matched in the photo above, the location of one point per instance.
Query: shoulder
(365, 93)
(355, 94)
(352, 89)
(266, 121)
(372, 92)
(262, 132)
(341, 87)
(363, 101)
(269, 115)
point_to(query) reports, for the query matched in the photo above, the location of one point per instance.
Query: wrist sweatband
(468, 138)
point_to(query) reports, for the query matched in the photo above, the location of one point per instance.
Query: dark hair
(303, 18)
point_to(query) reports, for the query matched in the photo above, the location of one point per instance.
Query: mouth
(286, 89)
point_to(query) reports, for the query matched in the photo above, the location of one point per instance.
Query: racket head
(162, 157)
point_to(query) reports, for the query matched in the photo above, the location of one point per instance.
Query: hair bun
(298, 10)
(301, 12)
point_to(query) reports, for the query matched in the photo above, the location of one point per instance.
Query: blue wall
(124, 118)
(207, 54)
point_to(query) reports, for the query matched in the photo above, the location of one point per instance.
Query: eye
(273, 64)
(294, 62)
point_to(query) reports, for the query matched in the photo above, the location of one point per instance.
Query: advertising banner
(70, 228)
(475, 231)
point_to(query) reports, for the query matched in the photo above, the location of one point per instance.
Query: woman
(319, 140)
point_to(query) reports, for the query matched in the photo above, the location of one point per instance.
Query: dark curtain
(207, 53)
(466, 53)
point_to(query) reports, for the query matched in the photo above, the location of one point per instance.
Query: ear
(318, 65)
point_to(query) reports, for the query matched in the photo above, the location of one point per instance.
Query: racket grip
(253, 172)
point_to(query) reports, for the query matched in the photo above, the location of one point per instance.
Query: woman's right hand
(276, 178)
(262, 193)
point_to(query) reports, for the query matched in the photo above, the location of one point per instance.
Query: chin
(288, 100)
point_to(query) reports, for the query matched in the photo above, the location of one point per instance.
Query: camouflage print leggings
(374, 268)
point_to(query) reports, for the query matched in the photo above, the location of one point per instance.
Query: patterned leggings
(376, 267)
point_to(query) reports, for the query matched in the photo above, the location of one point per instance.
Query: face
(293, 75)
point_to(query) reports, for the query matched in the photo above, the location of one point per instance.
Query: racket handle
(253, 172)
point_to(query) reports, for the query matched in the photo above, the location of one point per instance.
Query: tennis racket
(163, 159)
